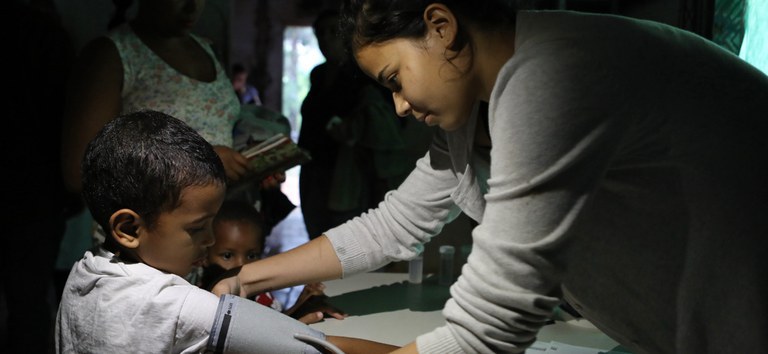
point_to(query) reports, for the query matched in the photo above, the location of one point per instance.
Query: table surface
(384, 307)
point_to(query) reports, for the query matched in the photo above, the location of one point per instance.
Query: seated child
(154, 185)
(238, 229)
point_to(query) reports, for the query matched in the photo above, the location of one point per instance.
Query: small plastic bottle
(446, 265)
(416, 269)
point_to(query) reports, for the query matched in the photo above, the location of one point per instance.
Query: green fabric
(424, 297)
(728, 24)
(347, 184)
(77, 239)
(755, 47)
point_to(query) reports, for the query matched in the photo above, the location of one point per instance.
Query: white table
(402, 326)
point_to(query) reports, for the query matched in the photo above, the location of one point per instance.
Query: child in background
(154, 185)
(246, 93)
(239, 235)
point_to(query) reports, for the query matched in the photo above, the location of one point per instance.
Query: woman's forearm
(314, 261)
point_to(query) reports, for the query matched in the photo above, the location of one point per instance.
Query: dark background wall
(250, 31)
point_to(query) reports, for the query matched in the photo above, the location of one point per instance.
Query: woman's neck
(492, 51)
(482, 131)
(150, 32)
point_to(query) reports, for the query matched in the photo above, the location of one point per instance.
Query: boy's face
(238, 242)
(179, 239)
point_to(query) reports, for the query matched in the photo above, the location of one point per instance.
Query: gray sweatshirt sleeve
(407, 218)
(551, 143)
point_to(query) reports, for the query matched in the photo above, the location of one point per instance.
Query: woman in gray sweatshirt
(621, 166)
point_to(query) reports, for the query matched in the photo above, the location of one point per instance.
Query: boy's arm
(310, 291)
(314, 310)
(356, 345)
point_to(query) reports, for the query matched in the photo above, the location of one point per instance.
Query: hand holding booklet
(278, 153)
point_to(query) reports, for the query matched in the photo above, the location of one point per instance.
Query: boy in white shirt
(154, 185)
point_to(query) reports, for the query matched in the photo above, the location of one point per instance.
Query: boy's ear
(441, 23)
(125, 227)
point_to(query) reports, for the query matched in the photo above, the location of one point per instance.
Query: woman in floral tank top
(152, 62)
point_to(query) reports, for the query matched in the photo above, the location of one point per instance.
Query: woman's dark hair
(364, 22)
(119, 16)
(323, 16)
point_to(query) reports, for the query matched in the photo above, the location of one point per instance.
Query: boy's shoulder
(156, 304)
(101, 271)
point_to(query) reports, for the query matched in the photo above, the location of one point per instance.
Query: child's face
(180, 237)
(422, 81)
(238, 81)
(238, 242)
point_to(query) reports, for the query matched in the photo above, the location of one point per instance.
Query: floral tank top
(211, 108)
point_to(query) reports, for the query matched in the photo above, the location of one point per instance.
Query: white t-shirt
(109, 307)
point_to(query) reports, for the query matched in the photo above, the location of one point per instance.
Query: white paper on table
(554, 347)
(537, 348)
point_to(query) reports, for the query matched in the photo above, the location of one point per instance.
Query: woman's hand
(229, 285)
(273, 181)
(235, 164)
(338, 130)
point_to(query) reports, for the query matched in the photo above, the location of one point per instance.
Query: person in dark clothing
(42, 53)
(334, 87)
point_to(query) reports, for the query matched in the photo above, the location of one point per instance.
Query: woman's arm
(406, 219)
(311, 262)
(94, 98)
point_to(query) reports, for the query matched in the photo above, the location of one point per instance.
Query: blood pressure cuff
(244, 326)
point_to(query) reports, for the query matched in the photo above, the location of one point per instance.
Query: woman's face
(423, 81)
(173, 17)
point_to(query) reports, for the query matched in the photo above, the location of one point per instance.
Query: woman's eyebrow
(380, 77)
(202, 218)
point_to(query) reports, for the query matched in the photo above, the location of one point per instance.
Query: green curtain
(754, 48)
(728, 24)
